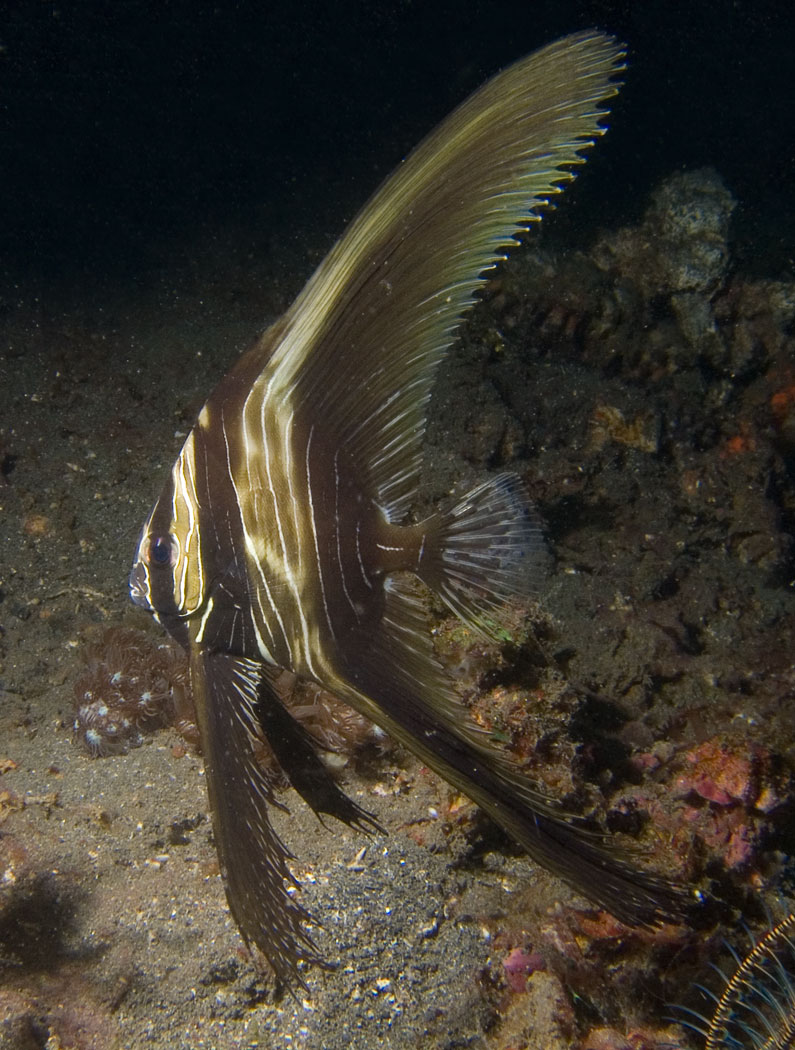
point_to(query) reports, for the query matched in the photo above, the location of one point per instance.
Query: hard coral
(729, 788)
(719, 773)
(520, 964)
(683, 239)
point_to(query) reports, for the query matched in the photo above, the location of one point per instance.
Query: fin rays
(253, 858)
(397, 670)
(363, 339)
(485, 551)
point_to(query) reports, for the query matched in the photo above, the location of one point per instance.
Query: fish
(283, 538)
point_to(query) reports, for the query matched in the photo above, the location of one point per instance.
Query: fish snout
(138, 588)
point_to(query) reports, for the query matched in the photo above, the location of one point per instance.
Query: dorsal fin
(359, 346)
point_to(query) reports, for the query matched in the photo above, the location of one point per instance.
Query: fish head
(167, 577)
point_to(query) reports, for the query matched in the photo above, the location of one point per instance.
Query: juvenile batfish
(282, 538)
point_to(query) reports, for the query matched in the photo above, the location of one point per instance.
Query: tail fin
(485, 551)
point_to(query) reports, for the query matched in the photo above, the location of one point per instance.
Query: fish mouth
(138, 594)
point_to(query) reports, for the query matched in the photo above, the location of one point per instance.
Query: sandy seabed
(647, 394)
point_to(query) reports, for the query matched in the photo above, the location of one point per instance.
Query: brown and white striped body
(281, 539)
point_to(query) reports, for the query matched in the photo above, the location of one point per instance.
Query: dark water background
(124, 124)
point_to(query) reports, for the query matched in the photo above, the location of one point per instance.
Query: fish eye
(163, 550)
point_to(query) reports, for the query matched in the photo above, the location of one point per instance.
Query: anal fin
(404, 688)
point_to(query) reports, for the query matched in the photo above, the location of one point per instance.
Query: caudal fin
(485, 551)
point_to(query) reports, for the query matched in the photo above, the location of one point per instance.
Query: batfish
(284, 537)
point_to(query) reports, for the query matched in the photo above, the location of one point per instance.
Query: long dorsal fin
(360, 345)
